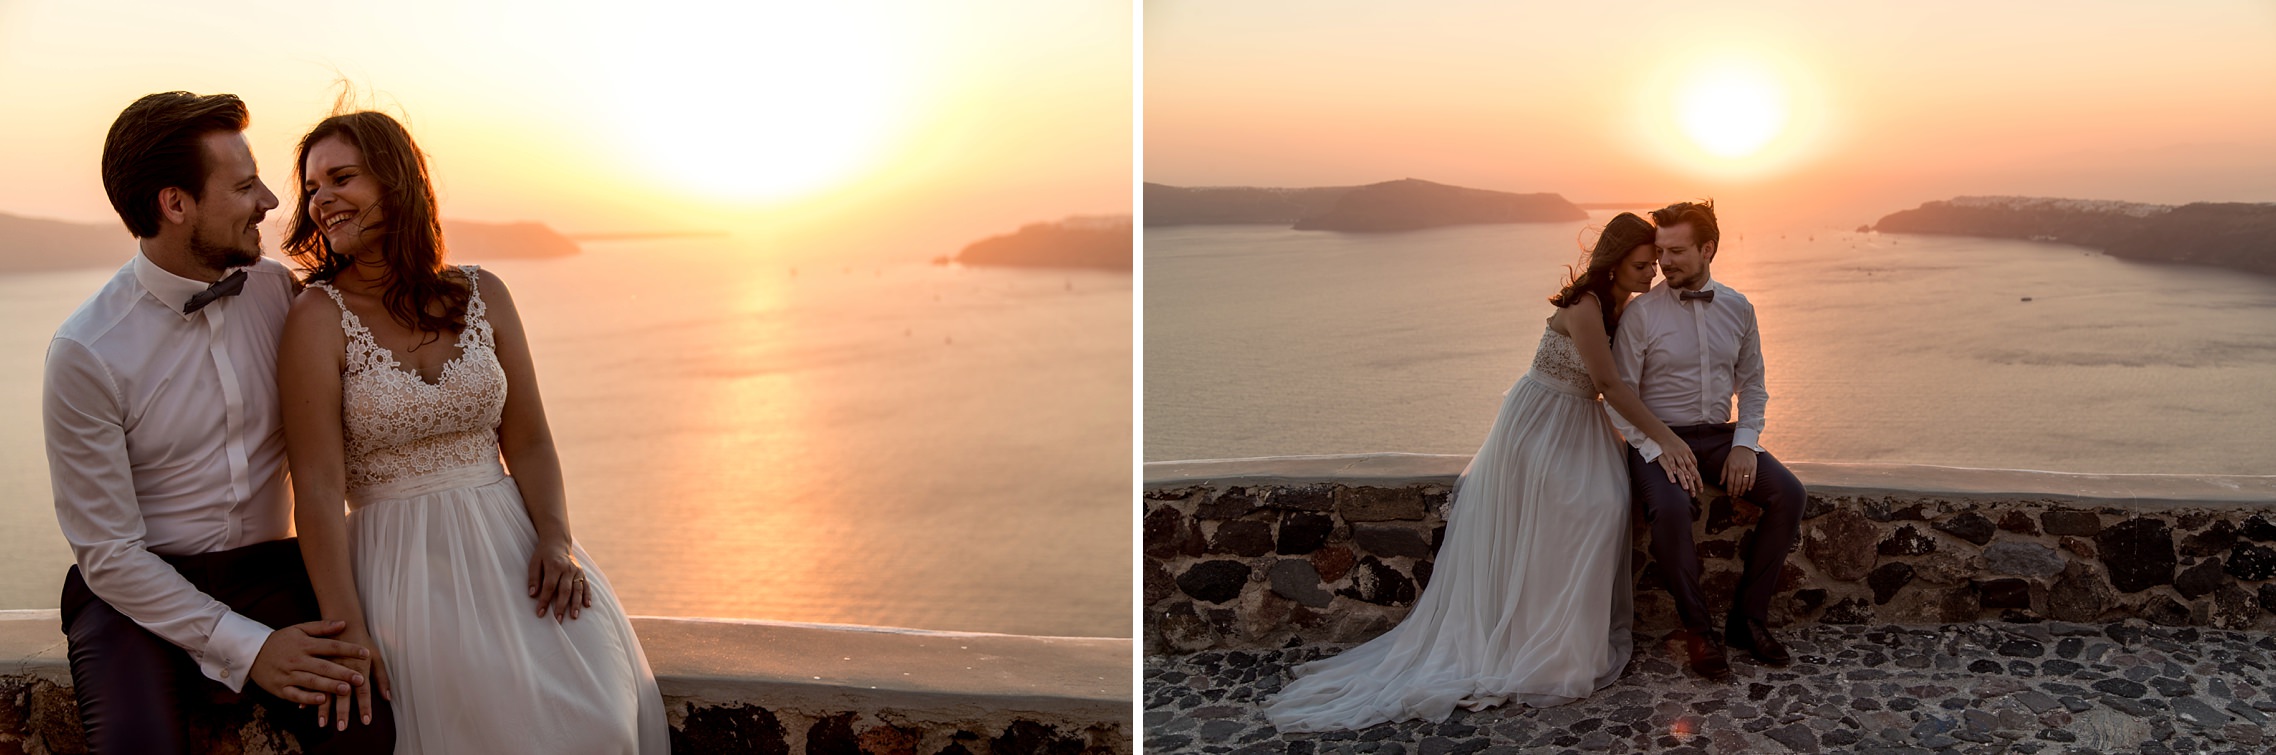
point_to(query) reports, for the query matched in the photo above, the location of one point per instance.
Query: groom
(165, 449)
(1687, 345)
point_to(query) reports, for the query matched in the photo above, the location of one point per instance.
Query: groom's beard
(220, 256)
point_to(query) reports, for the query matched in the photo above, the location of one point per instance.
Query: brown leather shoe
(1705, 654)
(1751, 636)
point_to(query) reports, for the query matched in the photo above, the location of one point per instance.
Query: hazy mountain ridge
(1104, 242)
(35, 244)
(1403, 205)
(2234, 235)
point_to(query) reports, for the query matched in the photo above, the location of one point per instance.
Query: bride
(404, 382)
(1529, 598)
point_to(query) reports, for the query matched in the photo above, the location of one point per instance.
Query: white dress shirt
(164, 437)
(1686, 358)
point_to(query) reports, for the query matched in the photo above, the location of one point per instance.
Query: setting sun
(1732, 110)
(762, 102)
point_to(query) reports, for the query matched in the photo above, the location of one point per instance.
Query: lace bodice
(1559, 360)
(397, 424)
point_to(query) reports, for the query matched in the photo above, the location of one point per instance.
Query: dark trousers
(137, 691)
(1671, 512)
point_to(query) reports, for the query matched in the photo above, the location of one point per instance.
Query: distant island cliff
(34, 244)
(1103, 243)
(2227, 234)
(1403, 205)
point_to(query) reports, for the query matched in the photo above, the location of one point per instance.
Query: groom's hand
(294, 663)
(1738, 471)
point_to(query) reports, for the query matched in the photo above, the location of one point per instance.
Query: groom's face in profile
(1683, 262)
(225, 215)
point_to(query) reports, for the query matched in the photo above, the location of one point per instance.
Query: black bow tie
(229, 286)
(1705, 295)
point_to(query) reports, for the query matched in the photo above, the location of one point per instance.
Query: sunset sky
(1789, 113)
(900, 129)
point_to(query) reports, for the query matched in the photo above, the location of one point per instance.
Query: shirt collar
(169, 289)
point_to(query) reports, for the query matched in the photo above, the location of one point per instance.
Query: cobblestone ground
(1964, 688)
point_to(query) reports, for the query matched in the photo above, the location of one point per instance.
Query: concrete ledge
(747, 686)
(1398, 469)
(1265, 552)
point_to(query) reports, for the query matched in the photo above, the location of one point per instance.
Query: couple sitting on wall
(431, 602)
(1529, 596)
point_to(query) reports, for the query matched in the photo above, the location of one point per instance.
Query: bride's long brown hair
(411, 236)
(1622, 235)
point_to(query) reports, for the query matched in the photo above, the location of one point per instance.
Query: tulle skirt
(1529, 599)
(442, 564)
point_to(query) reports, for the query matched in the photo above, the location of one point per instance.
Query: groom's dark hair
(1700, 214)
(158, 142)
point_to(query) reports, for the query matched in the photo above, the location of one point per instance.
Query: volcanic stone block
(2023, 559)
(2197, 581)
(1849, 611)
(1164, 533)
(2166, 611)
(1969, 526)
(1959, 604)
(2005, 593)
(1228, 503)
(1907, 541)
(2213, 541)
(1214, 581)
(1320, 497)
(1242, 537)
(2268, 597)
(2018, 523)
(2079, 595)
(1718, 549)
(1302, 532)
(2071, 522)
(1841, 544)
(2234, 607)
(1333, 562)
(2258, 529)
(1295, 579)
(1376, 582)
(2252, 563)
(1887, 579)
(1390, 539)
(1728, 511)
(1159, 583)
(1366, 504)
(2138, 553)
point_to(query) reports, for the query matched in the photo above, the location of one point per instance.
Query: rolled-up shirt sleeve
(1754, 397)
(1628, 363)
(84, 415)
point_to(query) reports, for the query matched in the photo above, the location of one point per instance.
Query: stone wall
(734, 687)
(1269, 552)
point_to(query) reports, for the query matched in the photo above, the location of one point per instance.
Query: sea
(1952, 351)
(744, 435)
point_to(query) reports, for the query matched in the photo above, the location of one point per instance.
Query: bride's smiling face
(343, 196)
(1635, 271)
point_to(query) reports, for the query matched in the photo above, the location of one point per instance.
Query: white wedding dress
(1529, 600)
(441, 547)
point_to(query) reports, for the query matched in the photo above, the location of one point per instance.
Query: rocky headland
(1103, 243)
(2226, 234)
(1403, 205)
(35, 244)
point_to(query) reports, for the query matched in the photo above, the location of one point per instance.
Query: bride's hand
(335, 710)
(557, 581)
(1681, 467)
